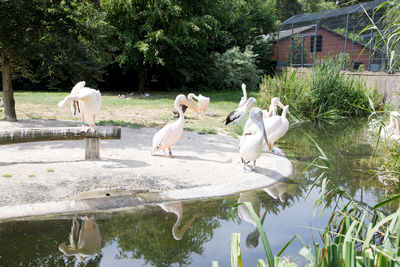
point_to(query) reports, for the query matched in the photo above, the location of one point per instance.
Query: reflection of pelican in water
(276, 191)
(84, 242)
(176, 207)
(244, 214)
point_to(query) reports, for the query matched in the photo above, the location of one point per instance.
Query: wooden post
(92, 149)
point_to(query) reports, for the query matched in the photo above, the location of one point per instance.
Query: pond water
(195, 233)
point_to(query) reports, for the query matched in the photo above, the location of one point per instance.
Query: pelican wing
(78, 87)
(232, 117)
(163, 134)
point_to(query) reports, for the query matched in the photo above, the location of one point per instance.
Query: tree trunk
(8, 94)
(141, 76)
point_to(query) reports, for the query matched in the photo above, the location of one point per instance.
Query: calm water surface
(201, 233)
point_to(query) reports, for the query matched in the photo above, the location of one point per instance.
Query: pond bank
(49, 177)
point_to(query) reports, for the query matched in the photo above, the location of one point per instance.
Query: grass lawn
(136, 111)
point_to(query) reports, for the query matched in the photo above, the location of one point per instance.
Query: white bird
(184, 107)
(176, 207)
(170, 133)
(276, 127)
(202, 104)
(239, 113)
(85, 101)
(251, 144)
(250, 127)
(84, 243)
(243, 100)
(392, 130)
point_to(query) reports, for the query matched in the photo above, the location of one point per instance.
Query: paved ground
(33, 175)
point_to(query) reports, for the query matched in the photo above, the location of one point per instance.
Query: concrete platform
(52, 177)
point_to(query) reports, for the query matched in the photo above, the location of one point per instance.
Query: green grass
(31, 175)
(135, 111)
(7, 175)
(50, 170)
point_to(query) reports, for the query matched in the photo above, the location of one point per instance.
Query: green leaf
(236, 257)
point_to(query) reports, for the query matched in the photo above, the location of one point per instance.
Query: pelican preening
(170, 133)
(251, 144)
(276, 127)
(249, 126)
(202, 103)
(243, 100)
(85, 101)
(176, 207)
(85, 241)
(239, 113)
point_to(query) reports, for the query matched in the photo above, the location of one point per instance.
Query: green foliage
(310, 6)
(325, 94)
(53, 41)
(234, 67)
(387, 37)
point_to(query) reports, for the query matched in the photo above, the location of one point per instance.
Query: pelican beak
(190, 105)
(265, 133)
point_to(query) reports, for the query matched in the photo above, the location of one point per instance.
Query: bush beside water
(324, 94)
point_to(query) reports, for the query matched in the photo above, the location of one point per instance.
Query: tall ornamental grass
(325, 94)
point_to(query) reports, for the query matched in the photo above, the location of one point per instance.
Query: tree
(47, 39)
(178, 38)
(287, 8)
(310, 6)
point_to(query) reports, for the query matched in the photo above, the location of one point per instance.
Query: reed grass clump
(323, 94)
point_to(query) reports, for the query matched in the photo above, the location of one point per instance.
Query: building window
(319, 43)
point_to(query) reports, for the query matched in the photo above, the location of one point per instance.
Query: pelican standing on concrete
(176, 207)
(243, 100)
(250, 127)
(239, 113)
(251, 144)
(276, 127)
(202, 104)
(85, 101)
(170, 133)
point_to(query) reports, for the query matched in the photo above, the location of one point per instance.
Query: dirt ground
(204, 166)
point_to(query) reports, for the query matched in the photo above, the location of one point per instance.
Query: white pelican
(184, 107)
(249, 126)
(170, 133)
(243, 100)
(85, 101)
(202, 104)
(239, 113)
(392, 130)
(84, 243)
(251, 144)
(176, 207)
(276, 127)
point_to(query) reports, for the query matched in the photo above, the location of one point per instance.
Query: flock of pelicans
(264, 127)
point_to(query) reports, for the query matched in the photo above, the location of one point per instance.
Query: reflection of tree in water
(146, 233)
(35, 243)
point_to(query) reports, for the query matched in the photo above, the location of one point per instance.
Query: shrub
(325, 94)
(234, 67)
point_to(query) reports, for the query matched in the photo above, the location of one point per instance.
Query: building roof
(333, 12)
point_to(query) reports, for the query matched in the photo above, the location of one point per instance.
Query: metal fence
(306, 38)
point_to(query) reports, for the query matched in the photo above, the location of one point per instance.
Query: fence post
(315, 42)
(302, 51)
(291, 47)
(277, 47)
(370, 45)
(345, 42)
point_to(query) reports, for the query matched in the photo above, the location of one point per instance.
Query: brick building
(305, 38)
